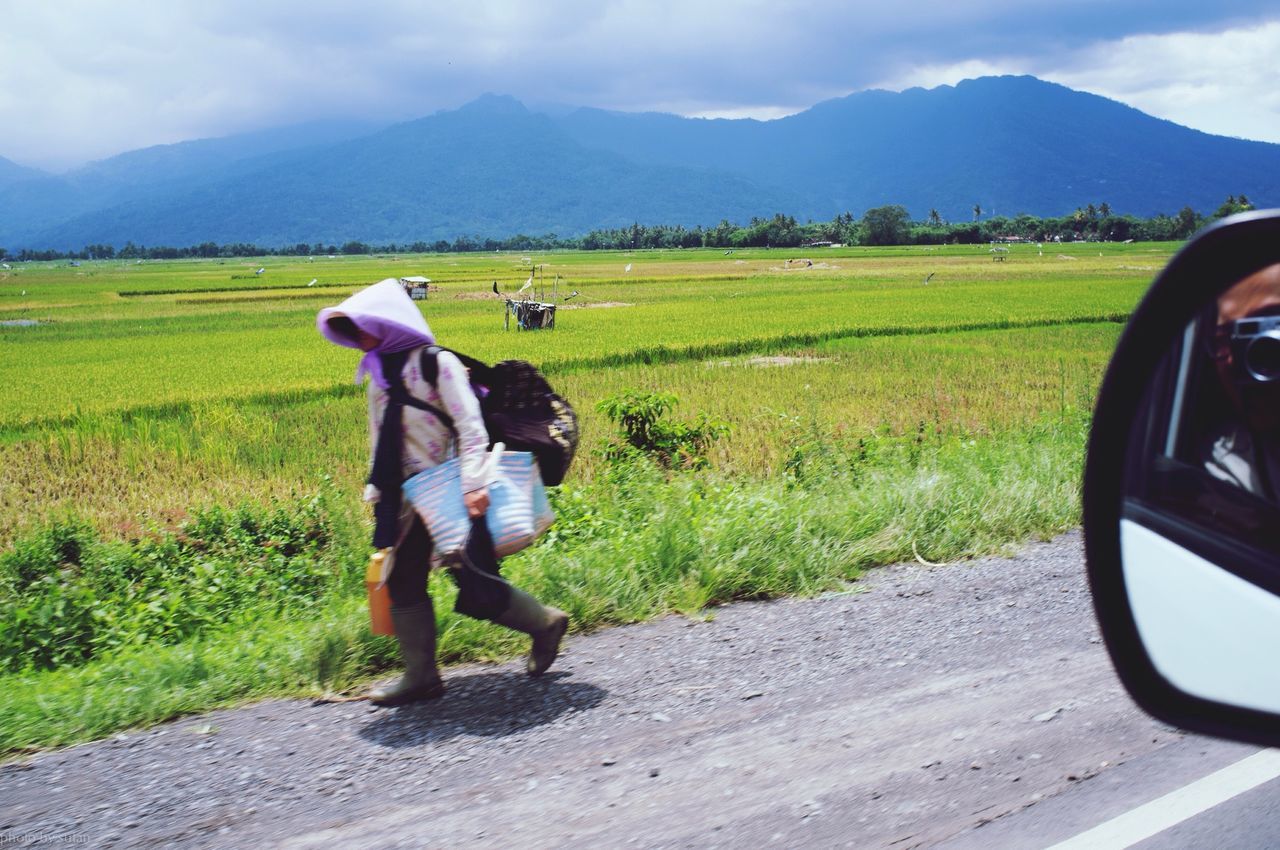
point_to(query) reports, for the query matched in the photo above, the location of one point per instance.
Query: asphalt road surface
(969, 705)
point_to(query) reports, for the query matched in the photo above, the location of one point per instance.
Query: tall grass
(931, 405)
(67, 596)
(635, 543)
(151, 465)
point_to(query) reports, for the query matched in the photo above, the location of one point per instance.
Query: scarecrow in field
(384, 323)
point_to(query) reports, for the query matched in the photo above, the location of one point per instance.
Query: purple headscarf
(385, 311)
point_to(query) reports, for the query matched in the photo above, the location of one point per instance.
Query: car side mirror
(1182, 488)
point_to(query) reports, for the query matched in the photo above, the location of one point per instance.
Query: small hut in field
(416, 286)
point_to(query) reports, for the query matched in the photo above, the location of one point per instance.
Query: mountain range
(494, 168)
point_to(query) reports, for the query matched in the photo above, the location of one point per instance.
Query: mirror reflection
(1207, 448)
(1200, 528)
(1244, 342)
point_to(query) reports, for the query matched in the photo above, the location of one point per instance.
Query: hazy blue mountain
(1010, 144)
(493, 168)
(205, 159)
(43, 200)
(11, 172)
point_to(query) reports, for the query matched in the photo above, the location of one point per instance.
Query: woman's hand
(477, 502)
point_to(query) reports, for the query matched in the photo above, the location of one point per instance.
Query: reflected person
(1245, 346)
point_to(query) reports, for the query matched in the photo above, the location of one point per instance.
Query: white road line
(1173, 808)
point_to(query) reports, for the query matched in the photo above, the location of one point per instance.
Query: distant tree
(879, 226)
(1120, 228)
(1187, 223)
(840, 229)
(781, 231)
(1026, 226)
(1233, 205)
(977, 211)
(885, 225)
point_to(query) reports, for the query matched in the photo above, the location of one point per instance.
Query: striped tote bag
(519, 511)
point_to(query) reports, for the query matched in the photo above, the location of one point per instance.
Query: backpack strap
(430, 371)
(385, 473)
(481, 372)
(430, 368)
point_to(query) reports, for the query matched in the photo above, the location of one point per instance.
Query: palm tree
(977, 211)
(934, 218)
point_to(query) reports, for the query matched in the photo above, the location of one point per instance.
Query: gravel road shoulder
(928, 702)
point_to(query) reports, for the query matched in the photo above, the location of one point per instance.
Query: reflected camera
(1255, 348)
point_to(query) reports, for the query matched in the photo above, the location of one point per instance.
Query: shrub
(645, 433)
(67, 596)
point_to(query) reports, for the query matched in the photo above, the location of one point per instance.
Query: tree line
(886, 225)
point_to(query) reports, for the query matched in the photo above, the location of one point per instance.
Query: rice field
(173, 385)
(182, 453)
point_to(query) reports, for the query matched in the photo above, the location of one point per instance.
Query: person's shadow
(489, 704)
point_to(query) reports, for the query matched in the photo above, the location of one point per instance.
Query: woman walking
(383, 322)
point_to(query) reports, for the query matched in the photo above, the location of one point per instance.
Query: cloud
(81, 79)
(1221, 83)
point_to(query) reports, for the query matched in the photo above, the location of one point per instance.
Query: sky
(86, 79)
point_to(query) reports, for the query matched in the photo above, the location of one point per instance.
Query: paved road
(933, 706)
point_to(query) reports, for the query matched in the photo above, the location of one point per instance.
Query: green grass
(632, 545)
(874, 418)
(107, 353)
(151, 466)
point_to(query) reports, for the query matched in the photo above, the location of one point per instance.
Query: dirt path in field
(935, 700)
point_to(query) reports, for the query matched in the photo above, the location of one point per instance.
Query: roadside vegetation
(179, 519)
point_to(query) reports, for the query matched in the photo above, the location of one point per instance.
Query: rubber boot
(544, 624)
(416, 632)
